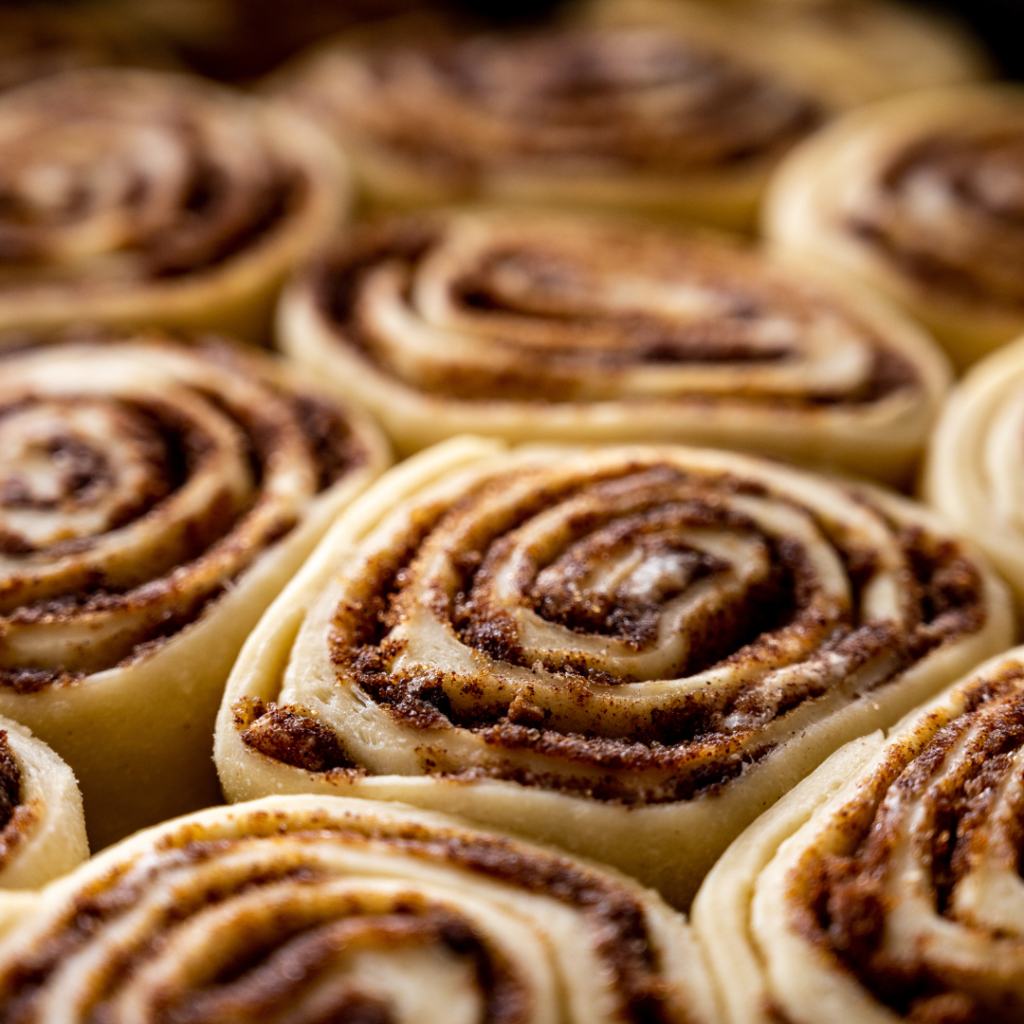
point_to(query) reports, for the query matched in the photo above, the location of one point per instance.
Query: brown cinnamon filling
(290, 734)
(845, 898)
(683, 749)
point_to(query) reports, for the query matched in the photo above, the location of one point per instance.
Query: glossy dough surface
(629, 652)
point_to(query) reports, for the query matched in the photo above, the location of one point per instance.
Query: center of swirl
(73, 469)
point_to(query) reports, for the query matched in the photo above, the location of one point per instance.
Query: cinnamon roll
(887, 886)
(139, 198)
(545, 327)
(634, 118)
(975, 461)
(628, 652)
(154, 498)
(844, 53)
(922, 197)
(307, 909)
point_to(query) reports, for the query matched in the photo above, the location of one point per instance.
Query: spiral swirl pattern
(153, 497)
(130, 196)
(899, 896)
(924, 197)
(606, 646)
(545, 326)
(630, 117)
(309, 910)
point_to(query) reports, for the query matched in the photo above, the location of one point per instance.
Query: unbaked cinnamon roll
(138, 198)
(637, 118)
(844, 53)
(887, 886)
(544, 327)
(628, 652)
(975, 465)
(310, 909)
(922, 197)
(154, 498)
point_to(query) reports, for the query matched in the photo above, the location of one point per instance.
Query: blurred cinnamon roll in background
(137, 198)
(154, 498)
(887, 886)
(540, 326)
(310, 909)
(923, 197)
(631, 118)
(663, 107)
(629, 652)
(844, 53)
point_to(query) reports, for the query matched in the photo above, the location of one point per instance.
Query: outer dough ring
(881, 439)
(139, 734)
(521, 906)
(646, 841)
(45, 836)
(807, 198)
(237, 295)
(973, 465)
(844, 53)
(765, 967)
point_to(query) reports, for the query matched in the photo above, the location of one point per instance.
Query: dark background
(1001, 24)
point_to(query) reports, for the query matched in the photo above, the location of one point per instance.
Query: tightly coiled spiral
(921, 196)
(153, 499)
(887, 887)
(626, 651)
(308, 910)
(635, 118)
(141, 198)
(549, 327)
